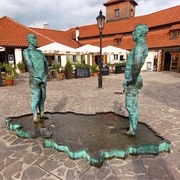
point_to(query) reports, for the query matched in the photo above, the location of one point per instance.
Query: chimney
(77, 33)
(46, 26)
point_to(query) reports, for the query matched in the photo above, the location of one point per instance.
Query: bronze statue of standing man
(37, 66)
(133, 80)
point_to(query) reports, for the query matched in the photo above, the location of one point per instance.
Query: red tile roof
(155, 39)
(61, 37)
(175, 27)
(164, 17)
(13, 33)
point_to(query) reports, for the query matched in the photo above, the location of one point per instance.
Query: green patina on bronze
(133, 80)
(37, 66)
(94, 137)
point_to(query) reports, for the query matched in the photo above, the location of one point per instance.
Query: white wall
(148, 65)
(63, 60)
(18, 57)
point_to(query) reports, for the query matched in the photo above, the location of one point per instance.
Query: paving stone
(10, 161)
(50, 165)
(83, 163)
(30, 158)
(70, 175)
(112, 177)
(143, 177)
(12, 170)
(89, 175)
(49, 151)
(1, 166)
(61, 171)
(69, 164)
(156, 170)
(37, 149)
(102, 173)
(1, 178)
(33, 173)
(4, 154)
(134, 167)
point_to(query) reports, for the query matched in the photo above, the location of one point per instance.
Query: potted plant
(56, 70)
(10, 73)
(95, 69)
(82, 70)
(68, 70)
(21, 66)
(120, 67)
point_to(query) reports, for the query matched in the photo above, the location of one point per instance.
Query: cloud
(149, 6)
(61, 14)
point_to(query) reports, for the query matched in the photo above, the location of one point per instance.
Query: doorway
(167, 61)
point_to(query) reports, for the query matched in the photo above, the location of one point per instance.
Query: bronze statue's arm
(30, 68)
(138, 61)
(46, 63)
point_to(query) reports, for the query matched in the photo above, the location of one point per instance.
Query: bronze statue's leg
(41, 103)
(35, 101)
(133, 110)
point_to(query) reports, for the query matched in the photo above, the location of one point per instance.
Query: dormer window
(174, 31)
(117, 39)
(116, 13)
(174, 34)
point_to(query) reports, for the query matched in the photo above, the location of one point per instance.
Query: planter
(105, 71)
(82, 72)
(60, 76)
(9, 82)
(95, 74)
(119, 69)
(68, 72)
(21, 70)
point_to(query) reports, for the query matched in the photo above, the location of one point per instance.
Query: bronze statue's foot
(131, 133)
(44, 117)
(36, 120)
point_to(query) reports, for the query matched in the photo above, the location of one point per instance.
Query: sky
(66, 14)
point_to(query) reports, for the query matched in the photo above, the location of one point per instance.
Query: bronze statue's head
(32, 39)
(140, 32)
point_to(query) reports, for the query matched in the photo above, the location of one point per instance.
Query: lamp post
(100, 21)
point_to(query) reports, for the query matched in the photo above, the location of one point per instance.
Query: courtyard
(159, 108)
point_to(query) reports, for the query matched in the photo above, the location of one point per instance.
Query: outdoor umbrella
(87, 49)
(57, 48)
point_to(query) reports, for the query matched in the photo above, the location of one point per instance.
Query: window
(131, 12)
(115, 56)
(117, 41)
(174, 34)
(121, 58)
(116, 13)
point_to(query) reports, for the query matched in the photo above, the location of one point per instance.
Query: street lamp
(100, 21)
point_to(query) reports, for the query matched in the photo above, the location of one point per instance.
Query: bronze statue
(133, 80)
(37, 66)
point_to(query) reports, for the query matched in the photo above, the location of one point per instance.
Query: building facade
(163, 39)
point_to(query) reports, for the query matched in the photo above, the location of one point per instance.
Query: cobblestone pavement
(27, 159)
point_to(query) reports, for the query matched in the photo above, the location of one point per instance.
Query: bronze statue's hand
(128, 82)
(41, 84)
